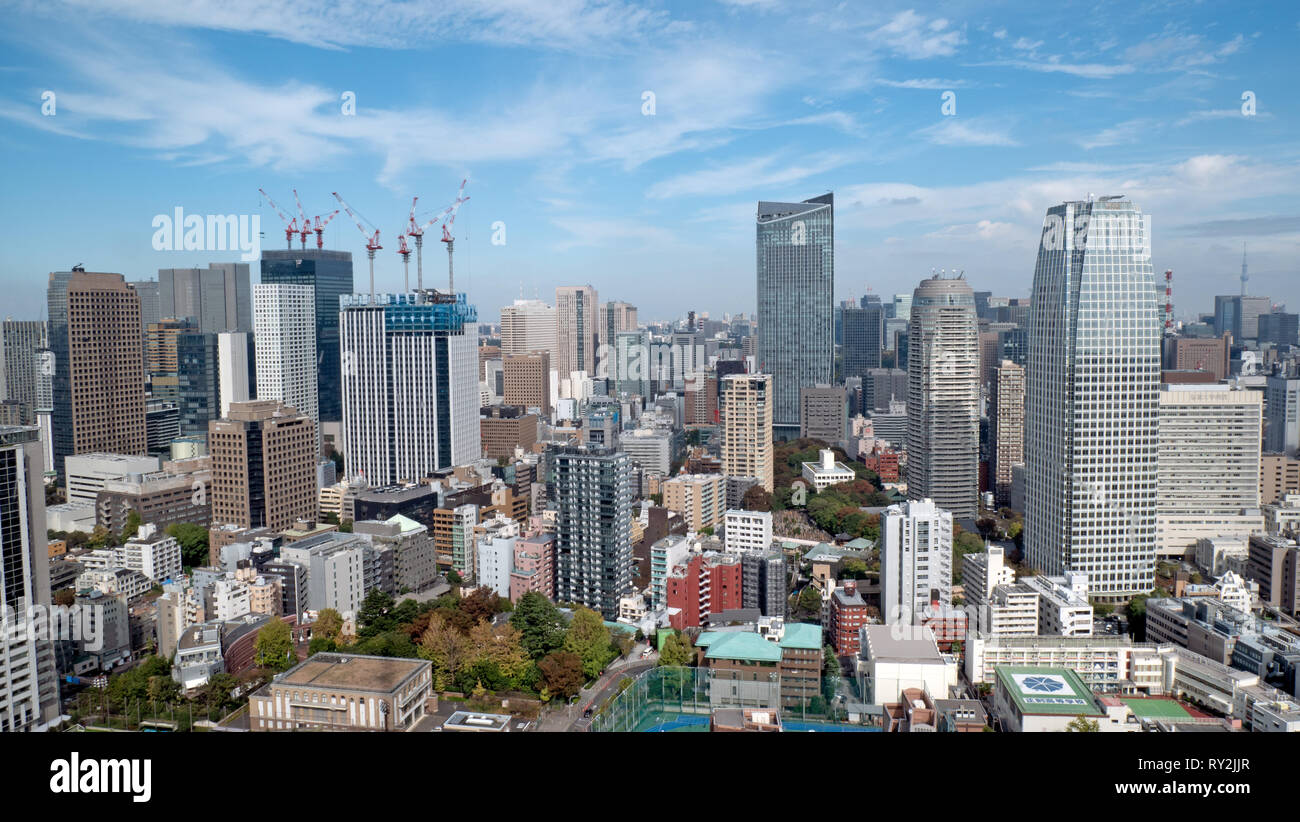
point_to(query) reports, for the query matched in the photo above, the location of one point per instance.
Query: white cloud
(955, 131)
(761, 172)
(1129, 131)
(909, 35)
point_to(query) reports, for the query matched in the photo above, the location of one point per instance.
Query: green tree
(676, 652)
(132, 525)
(589, 639)
(329, 624)
(446, 647)
(561, 673)
(373, 618)
(194, 543)
(454, 577)
(274, 647)
(810, 599)
(540, 624)
(1081, 724)
(345, 527)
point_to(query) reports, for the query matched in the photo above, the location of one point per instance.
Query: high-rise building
(796, 287)
(943, 394)
(916, 561)
(746, 410)
(631, 366)
(864, 336)
(1239, 315)
(1209, 465)
(615, 317)
(577, 330)
(1279, 328)
(881, 386)
(29, 691)
(410, 385)
(701, 499)
(593, 527)
(263, 466)
(329, 273)
(149, 306)
(1199, 354)
(197, 398)
(215, 298)
(526, 380)
(528, 326)
(824, 413)
(1282, 420)
(284, 319)
(98, 361)
(236, 368)
(1006, 426)
(20, 344)
(1091, 400)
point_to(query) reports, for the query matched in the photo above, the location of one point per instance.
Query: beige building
(338, 692)
(263, 466)
(502, 428)
(527, 379)
(1279, 475)
(701, 499)
(746, 408)
(1006, 426)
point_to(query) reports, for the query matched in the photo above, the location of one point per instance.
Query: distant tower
(1244, 275)
(1169, 301)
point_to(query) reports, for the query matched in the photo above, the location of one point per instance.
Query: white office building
(1091, 404)
(153, 553)
(746, 530)
(284, 328)
(916, 561)
(1209, 465)
(410, 385)
(496, 556)
(527, 326)
(88, 473)
(234, 368)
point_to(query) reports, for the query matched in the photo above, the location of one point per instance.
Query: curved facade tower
(943, 397)
(1092, 398)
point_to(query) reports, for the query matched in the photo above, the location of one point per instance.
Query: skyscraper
(746, 410)
(526, 380)
(796, 287)
(20, 340)
(329, 273)
(215, 298)
(410, 385)
(593, 527)
(98, 359)
(1006, 426)
(864, 334)
(197, 395)
(615, 317)
(29, 691)
(236, 369)
(284, 320)
(943, 393)
(577, 330)
(1091, 403)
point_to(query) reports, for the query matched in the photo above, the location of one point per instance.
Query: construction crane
(319, 228)
(372, 243)
(304, 225)
(449, 240)
(290, 225)
(417, 231)
(405, 252)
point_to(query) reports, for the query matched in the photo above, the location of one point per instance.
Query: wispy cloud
(954, 131)
(772, 171)
(912, 36)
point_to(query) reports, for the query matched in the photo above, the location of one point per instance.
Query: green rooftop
(1146, 708)
(742, 645)
(1042, 690)
(802, 635)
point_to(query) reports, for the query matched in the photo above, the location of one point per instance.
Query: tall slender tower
(593, 543)
(577, 330)
(1092, 399)
(943, 393)
(284, 321)
(796, 307)
(746, 409)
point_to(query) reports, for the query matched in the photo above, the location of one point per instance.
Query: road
(571, 719)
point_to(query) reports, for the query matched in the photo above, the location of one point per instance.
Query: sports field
(672, 722)
(1156, 708)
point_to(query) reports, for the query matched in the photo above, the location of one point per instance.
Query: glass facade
(796, 286)
(1091, 406)
(330, 273)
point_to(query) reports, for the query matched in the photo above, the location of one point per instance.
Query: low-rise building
(827, 471)
(778, 661)
(897, 657)
(1038, 699)
(344, 692)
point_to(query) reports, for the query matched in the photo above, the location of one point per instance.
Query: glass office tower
(1091, 404)
(796, 310)
(330, 273)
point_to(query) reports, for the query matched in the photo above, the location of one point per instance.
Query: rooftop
(1043, 690)
(354, 673)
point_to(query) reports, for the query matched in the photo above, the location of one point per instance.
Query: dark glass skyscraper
(330, 273)
(196, 382)
(864, 331)
(593, 542)
(796, 308)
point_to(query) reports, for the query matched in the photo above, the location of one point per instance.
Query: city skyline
(558, 151)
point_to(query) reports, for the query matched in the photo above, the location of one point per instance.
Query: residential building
(916, 559)
(747, 530)
(701, 499)
(533, 569)
(765, 581)
(746, 665)
(747, 427)
(593, 498)
(1006, 426)
(943, 397)
(1279, 475)
(707, 583)
(847, 616)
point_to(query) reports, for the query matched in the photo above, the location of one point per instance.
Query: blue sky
(540, 104)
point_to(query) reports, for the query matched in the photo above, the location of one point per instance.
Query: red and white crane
(417, 231)
(319, 228)
(372, 242)
(304, 225)
(405, 252)
(290, 225)
(448, 239)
